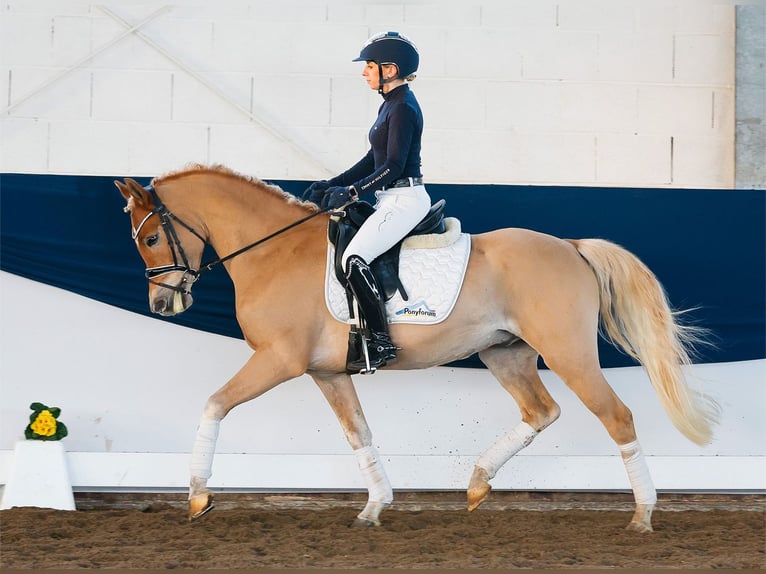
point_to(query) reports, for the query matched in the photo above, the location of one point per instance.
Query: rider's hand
(315, 192)
(336, 197)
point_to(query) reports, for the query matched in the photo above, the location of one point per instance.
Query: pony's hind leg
(594, 391)
(515, 367)
(339, 391)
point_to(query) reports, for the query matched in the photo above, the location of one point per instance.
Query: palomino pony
(525, 294)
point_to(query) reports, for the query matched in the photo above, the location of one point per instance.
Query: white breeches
(397, 211)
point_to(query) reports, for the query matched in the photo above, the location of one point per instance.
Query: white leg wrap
(201, 465)
(638, 473)
(378, 487)
(500, 452)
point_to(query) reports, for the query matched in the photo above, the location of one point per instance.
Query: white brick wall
(575, 92)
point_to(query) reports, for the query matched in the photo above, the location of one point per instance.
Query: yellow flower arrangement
(43, 423)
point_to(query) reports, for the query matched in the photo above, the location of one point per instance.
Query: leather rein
(180, 261)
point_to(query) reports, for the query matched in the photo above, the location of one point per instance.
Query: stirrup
(376, 353)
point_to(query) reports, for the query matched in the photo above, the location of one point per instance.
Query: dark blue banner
(707, 247)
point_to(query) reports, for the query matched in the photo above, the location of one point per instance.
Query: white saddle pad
(431, 267)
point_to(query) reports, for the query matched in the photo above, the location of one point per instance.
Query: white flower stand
(38, 477)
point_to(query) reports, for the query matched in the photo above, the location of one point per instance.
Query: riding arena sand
(420, 531)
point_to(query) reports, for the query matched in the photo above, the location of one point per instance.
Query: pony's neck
(231, 210)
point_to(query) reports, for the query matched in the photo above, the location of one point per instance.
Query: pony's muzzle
(171, 303)
(168, 300)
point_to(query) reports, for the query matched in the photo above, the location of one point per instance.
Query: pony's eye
(152, 240)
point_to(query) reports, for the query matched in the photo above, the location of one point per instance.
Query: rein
(190, 274)
(209, 265)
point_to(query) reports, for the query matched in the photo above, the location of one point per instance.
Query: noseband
(180, 261)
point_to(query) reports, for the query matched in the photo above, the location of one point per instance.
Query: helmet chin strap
(382, 81)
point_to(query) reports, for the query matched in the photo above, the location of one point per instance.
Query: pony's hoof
(200, 505)
(639, 527)
(365, 523)
(475, 497)
(478, 489)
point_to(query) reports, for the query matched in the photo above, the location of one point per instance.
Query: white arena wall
(580, 92)
(131, 390)
(577, 92)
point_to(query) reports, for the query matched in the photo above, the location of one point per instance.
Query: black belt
(405, 182)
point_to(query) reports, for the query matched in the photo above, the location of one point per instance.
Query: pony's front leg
(201, 466)
(339, 391)
(379, 491)
(263, 371)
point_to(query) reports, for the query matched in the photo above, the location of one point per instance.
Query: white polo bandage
(638, 473)
(378, 487)
(201, 465)
(500, 452)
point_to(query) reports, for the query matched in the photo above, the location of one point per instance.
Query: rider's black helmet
(391, 48)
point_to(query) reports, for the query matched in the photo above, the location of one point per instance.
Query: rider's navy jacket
(395, 144)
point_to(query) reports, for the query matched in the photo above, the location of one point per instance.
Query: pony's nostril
(159, 305)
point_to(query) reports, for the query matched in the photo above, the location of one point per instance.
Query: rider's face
(370, 73)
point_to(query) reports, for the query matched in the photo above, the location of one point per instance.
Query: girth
(341, 231)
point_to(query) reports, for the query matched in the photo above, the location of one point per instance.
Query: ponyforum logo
(419, 309)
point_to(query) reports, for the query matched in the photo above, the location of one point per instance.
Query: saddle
(344, 226)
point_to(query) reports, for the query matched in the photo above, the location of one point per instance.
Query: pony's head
(171, 249)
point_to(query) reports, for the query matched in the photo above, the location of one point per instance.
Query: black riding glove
(336, 197)
(315, 192)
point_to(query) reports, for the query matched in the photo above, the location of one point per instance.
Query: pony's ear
(133, 193)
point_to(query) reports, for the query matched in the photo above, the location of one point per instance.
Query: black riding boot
(367, 293)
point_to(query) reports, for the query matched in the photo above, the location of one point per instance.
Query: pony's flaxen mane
(218, 169)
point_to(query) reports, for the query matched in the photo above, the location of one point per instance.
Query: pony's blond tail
(636, 316)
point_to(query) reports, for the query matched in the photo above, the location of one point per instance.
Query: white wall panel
(458, 14)
(541, 157)
(133, 96)
(466, 111)
(523, 106)
(638, 156)
(180, 143)
(21, 142)
(595, 15)
(66, 99)
(25, 40)
(635, 57)
(522, 68)
(576, 56)
(698, 158)
(105, 144)
(284, 97)
(129, 53)
(611, 108)
(519, 15)
(689, 109)
(194, 102)
(699, 59)
(345, 110)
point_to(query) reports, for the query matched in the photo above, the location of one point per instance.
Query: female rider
(390, 169)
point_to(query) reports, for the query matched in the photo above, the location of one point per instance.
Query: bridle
(180, 261)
